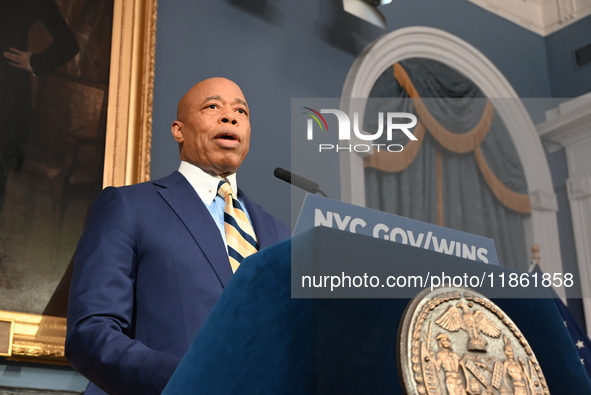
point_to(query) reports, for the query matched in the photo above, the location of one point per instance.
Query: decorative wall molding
(539, 16)
(579, 187)
(568, 126)
(543, 200)
(581, 216)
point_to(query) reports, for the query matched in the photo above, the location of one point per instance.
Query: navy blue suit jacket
(148, 269)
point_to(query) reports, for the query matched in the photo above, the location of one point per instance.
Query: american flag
(576, 332)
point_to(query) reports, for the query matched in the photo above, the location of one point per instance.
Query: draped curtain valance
(463, 172)
(459, 143)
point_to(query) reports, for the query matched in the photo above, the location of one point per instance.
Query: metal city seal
(454, 341)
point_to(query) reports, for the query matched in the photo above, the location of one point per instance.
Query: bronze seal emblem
(454, 341)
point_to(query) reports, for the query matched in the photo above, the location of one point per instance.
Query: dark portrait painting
(76, 90)
(52, 136)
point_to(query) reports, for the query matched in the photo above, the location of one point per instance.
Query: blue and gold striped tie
(240, 236)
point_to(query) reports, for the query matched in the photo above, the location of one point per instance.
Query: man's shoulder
(141, 191)
(164, 182)
(167, 181)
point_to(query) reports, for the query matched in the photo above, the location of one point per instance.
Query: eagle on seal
(474, 323)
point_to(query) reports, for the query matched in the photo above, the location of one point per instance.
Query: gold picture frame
(40, 338)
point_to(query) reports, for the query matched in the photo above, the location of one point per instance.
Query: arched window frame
(425, 42)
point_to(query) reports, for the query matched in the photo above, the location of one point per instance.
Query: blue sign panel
(319, 211)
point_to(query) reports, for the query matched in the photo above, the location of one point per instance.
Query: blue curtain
(469, 204)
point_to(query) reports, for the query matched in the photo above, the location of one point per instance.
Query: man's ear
(177, 131)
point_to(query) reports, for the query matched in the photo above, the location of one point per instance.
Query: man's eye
(242, 111)
(212, 106)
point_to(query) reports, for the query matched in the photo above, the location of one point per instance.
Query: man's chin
(227, 168)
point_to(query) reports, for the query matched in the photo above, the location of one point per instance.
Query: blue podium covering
(258, 340)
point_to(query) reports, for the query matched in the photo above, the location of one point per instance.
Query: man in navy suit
(152, 260)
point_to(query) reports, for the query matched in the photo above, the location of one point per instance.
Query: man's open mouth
(228, 136)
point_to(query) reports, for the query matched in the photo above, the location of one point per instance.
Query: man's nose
(229, 117)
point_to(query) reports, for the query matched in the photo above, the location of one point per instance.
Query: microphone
(298, 181)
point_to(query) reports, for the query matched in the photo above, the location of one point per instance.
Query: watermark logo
(316, 116)
(387, 123)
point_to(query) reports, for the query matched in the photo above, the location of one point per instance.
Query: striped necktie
(240, 236)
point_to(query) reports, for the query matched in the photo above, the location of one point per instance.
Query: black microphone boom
(298, 181)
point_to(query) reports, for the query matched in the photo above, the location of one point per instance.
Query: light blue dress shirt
(206, 187)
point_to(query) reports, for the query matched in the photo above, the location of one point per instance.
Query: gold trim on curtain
(454, 142)
(439, 169)
(515, 201)
(393, 163)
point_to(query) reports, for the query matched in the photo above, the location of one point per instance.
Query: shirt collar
(204, 183)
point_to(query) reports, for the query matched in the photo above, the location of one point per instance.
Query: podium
(260, 340)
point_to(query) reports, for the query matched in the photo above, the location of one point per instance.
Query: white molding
(426, 42)
(581, 215)
(569, 127)
(579, 187)
(543, 201)
(539, 16)
(568, 124)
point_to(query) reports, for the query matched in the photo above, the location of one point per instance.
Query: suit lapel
(262, 223)
(185, 202)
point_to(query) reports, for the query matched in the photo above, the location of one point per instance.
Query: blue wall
(279, 50)
(273, 58)
(567, 80)
(518, 53)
